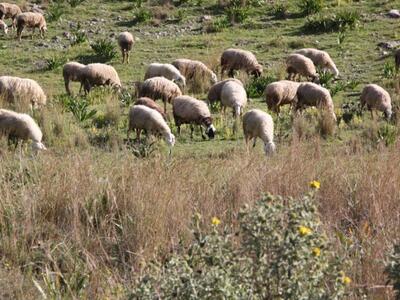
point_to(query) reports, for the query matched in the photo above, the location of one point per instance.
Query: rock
(56, 39)
(394, 13)
(119, 18)
(389, 45)
(206, 18)
(67, 34)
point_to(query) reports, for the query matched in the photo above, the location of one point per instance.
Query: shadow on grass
(90, 59)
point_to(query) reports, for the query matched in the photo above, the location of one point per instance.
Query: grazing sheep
(144, 118)
(21, 90)
(125, 42)
(375, 97)
(297, 64)
(9, 11)
(397, 59)
(3, 27)
(20, 127)
(152, 104)
(214, 93)
(233, 95)
(165, 70)
(99, 75)
(188, 110)
(31, 20)
(194, 71)
(159, 88)
(259, 124)
(320, 59)
(280, 93)
(72, 72)
(238, 59)
(311, 94)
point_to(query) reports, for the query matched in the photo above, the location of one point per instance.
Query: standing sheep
(22, 91)
(233, 95)
(99, 75)
(195, 71)
(297, 64)
(159, 88)
(214, 93)
(31, 20)
(188, 110)
(3, 27)
(72, 72)
(125, 42)
(151, 104)
(259, 124)
(375, 97)
(320, 59)
(144, 118)
(280, 93)
(20, 127)
(238, 59)
(165, 70)
(9, 11)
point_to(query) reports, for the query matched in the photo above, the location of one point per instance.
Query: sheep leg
(254, 141)
(138, 131)
(179, 129)
(123, 56)
(66, 82)
(202, 134)
(127, 57)
(165, 107)
(19, 32)
(231, 73)
(128, 134)
(191, 131)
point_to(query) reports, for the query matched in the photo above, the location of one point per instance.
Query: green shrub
(78, 37)
(350, 110)
(256, 86)
(79, 107)
(389, 70)
(104, 48)
(217, 25)
(333, 22)
(54, 12)
(75, 3)
(388, 134)
(309, 7)
(54, 62)
(280, 11)
(142, 15)
(237, 14)
(393, 269)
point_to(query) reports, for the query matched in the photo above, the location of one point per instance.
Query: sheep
(20, 90)
(214, 93)
(195, 71)
(375, 97)
(238, 59)
(259, 124)
(4, 27)
(144, 118)
(99, 75)
(31, 20)
(397, 59)
(233, 95)
(72, 72)
(152, 104)
(280, 93)
(188, 110)
(311, 94)
(301, 65)
(20, 126)
(125, 42)
(9, 11)
(320, 59)
(168, 71)
(159, 88)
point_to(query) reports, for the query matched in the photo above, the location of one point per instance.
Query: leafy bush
(388, 134)
(104, 48)
(216, 25)
(309, 7)
(389, 70)
(255, 88)
(54, 12)
(142, 15)
(237, 14)
(75, 3)
(333, 22)
(279, 252)
(393, 269)
(54, 62)
(280, 11)
(78, 37)
(79, 107)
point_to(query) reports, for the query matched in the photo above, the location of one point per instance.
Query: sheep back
(151, 104)
(238, 59)
(18, 125)
(194, 69)
(300, 64)
(31, 19)
(375, 97)
(233, 95)
(100, 74)
(214, 94)
(72, 71)
(280, 93)
(319, 58)
(188, 110)
(14, 89)
(125, 41)
(259, 124)
(8, 10)
(159, 88)
(145, 118)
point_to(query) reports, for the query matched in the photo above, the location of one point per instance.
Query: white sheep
(280, 93)
(297, 64)
(188, 110)
(21, 127)
(214, 93)
(259, 124)
(31, 20)
(195, 71)
(151, 104)
(238, 59)
(320, 59)
(22, 91)
(233, 95)
(375, 97)
(99, 75)
(72, 72)
(125, 42)
(144, 118)
(3, 27)
(9, 11)
(165, 70)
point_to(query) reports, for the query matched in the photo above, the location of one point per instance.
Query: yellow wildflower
(303, 230)
(346, 280)
(315, 184)
(316, 251)
(215, 221)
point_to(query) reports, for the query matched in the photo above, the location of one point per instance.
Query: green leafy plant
(256, 86)
(388, 134)
(142, 15)
(393, 269)
(217, 25)
(79, 107)
(350, 110)
(309, 7)
(237, 14)
(389, 70)
(54, 62)
(75, 3)
(55, 11)
(78, 37)
(104, 48)
(333, 22)
(280, 10)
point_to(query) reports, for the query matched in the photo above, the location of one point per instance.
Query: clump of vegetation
(55, 11)
(75, 3)
(104, 49)
(142, 15)
(332, 22)
(389, 70)
(79, 107)
(350, 110)
(256, 86)
(387, 133)
(393, 269)
(54, 62)
(309, 7)
(217, 25)
(237, 14)
(78, 37)
(280, 10)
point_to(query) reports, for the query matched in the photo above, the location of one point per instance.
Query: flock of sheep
(166, 81)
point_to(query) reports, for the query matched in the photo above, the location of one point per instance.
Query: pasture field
(83, 219)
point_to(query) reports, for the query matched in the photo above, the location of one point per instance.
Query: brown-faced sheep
(9, 11)
(152, 104)
(195, 72)
(297, 64)
(99, 75)
(214, 93)
(72, 72)
(375, 97)
(238, 59)
(188, 110)
(320, 59)
(125, 42)
(233, 95)
(31, 20)
(165, 70)
(280, 93)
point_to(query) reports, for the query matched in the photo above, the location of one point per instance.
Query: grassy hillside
(84, 218)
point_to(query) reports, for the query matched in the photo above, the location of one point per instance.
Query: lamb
(21, 90)
(259, 124)
(375, 97)
(280, 93)
(165, 70)
(151, 104)
(99, 75)
(233, 95)
(320, 59)
(188, 110)
(31, 20)
(20, 126)
(194, 70)
(397, 59)
(238, 59)
(214, 93)
(4, 27)
(311, 94)
(72, 72)
(159, 88)
(9, 11)
(297, 64)
(144, 118)
(125, 42)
